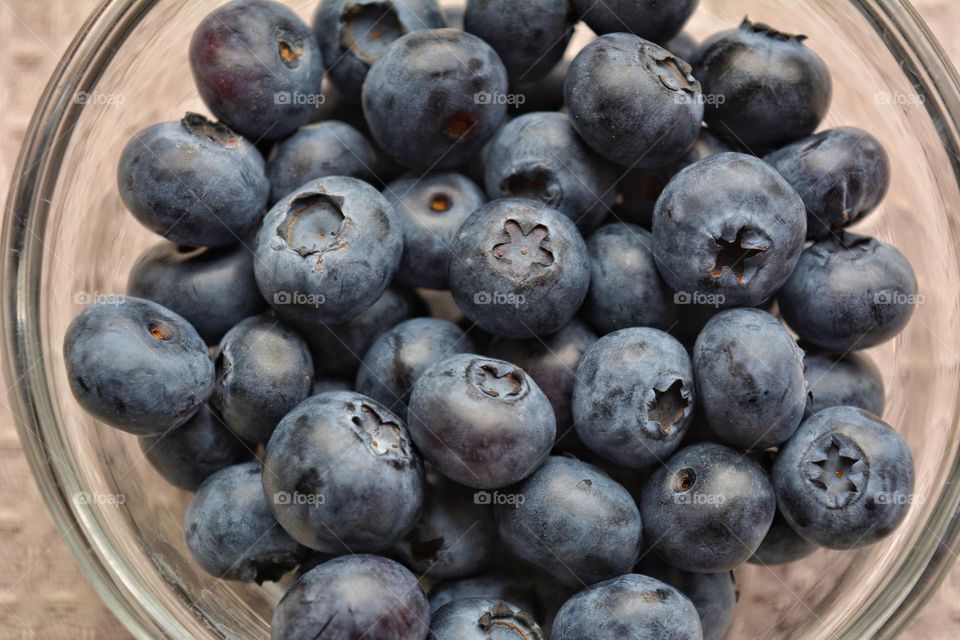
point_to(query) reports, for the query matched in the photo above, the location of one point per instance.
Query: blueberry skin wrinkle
(231, 532)
(630, 606)
(137, 366)
(481, 422)
(341, 474)
(852, 380)
(731, 226)
(750, 378)
(841, 174)
(481, 619)
(540, 156)
(522, 268)
(432, 101)
(713, 594)
(254, 63)
(264, 370)
(848, 294)
(327, 251)
(635, 103)
(193, 181)
(845, 479)
(355, 596)
(213, 289)
(650, 19)
(574, 522)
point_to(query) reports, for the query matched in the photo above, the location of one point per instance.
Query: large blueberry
(482, 619)
(257, 67)
(137, 366)
(540, 156)
(833, 380)
(713, 594)
(328, 250)
(634, 396)
(521, 268)
(729, 227)
(636, 104)
(845, 479)
(481, 422)
(231, 532)
(340, 473)
(433, 99)
(650, 19)
(849, 293)
(194, 182)
(750, 378)
(571, 520)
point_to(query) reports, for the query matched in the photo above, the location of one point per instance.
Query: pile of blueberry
(647, 369)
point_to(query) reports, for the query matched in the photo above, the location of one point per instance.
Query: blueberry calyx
(666, 407)
(674, 74)
(199, 125)
(367, 29)
(836, 466)
(768, 31)
(497, 381)
(314, 224)
(535, 182)
(684, 480)
(525, 253)
(736, 254)
(383, 437)
(516, 622)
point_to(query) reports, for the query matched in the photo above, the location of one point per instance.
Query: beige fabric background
(42, 592)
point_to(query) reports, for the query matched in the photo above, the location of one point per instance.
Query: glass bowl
(67, 241)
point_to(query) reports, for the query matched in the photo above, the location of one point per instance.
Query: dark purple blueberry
(833, 380)
(483, 619)
(713, 594)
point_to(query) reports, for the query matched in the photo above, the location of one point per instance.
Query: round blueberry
(539, 156)
(713, 594)
(841, 174)
(433, 99)
(728, 228)
(571, 520)
(137, 366)
(633, 102)
(774, 89)
(650, 19)
(845, 479)
(634, 396)
(231, 532)
(194, 182)
(631, 606)
(257, 67)
(482, 619)
(708, 508)
(431, 210)
(483, 423)
(264, 370)
(356, 596)
(340, 473)
(849, 293)
(852, 380)
(521, 268)
(328, 250)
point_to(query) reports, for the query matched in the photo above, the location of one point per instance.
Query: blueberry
(781, 545)
(231, 532)
(841, 174)
(849, 293)
(552, 362)
(481, 619)
(750, 378)
(631, 606)
(396, 359)
(323, 149)
(852, 380)
(483, 423)
(539, 156)
(707, 509)
(431, 209)
(650, 19)
(330, 383)
(574, 522)
(530, 37)
(626, 289)
(257, 67)
(713, 594)
(633, 102)
(522, 268)
(512, 586)
(194, 451)
(213, 289)
(328, 250)
(194, 182)
(845, 479)
(774, 89)
(356, 596)
(341, 474)
(729, 227)
(634, 396)
(264, 370)
(432, 100)
(353, 34)
(137, 366)
(454, 536)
